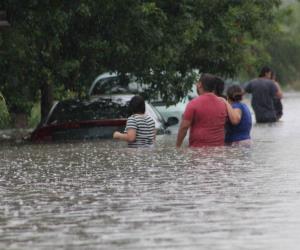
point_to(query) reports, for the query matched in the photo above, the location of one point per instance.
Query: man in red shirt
(205, 116)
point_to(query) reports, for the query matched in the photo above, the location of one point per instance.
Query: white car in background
(113, 86)
(174, 110)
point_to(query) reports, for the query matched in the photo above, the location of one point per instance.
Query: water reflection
(101, 195)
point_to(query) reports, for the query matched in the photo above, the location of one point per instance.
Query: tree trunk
(46, 99)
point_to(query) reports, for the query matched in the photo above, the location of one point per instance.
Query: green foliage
(35, 115)
(66, 44)
(284, 48)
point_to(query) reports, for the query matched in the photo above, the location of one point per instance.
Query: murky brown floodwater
(101, 195)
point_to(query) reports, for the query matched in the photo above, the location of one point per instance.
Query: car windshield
(76, 110)
(117, 85)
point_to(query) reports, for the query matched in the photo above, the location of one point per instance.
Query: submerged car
(97, 118)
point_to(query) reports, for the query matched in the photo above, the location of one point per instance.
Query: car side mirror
(172, 121)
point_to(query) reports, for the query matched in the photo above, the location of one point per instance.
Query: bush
(35, 115)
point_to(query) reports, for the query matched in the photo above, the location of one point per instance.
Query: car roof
(117, 86)
(100, 77)
(114, 97)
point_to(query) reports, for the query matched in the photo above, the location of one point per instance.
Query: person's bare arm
(184, 126)
(234, 115)
(130, 136)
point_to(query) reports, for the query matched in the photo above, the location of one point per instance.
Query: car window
(117, 85)
(76, 110)
(109, 85)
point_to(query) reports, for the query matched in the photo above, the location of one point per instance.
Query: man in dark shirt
(263, 92)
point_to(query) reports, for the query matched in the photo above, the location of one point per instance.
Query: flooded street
(102, 195)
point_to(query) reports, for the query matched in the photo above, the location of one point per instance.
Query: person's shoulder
(244, 106)
(260, 82)
(131, 122)
(237, 105)
(148, 117)
(269, 81)
(256, 80)
(131, 118)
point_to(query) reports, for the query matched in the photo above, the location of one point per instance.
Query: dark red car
(96, 118)
(77, 120)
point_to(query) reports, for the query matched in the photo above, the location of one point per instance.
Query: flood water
(101, 195)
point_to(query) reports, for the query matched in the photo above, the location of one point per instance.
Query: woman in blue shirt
(240, 131)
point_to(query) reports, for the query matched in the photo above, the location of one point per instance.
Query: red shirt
(208, 115)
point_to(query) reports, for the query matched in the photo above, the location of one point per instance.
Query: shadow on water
(102, 195)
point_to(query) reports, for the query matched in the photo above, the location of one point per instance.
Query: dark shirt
(278, 107)
(263, 93)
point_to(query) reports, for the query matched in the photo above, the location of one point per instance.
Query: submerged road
(101, 195)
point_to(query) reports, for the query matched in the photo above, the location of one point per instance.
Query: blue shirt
(240, 131)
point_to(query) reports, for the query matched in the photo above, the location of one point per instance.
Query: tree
(162, 42)
(284, 48)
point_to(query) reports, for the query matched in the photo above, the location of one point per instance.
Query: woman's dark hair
(219, 86)
(136, 105)
(264, 71)
(235, 93)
